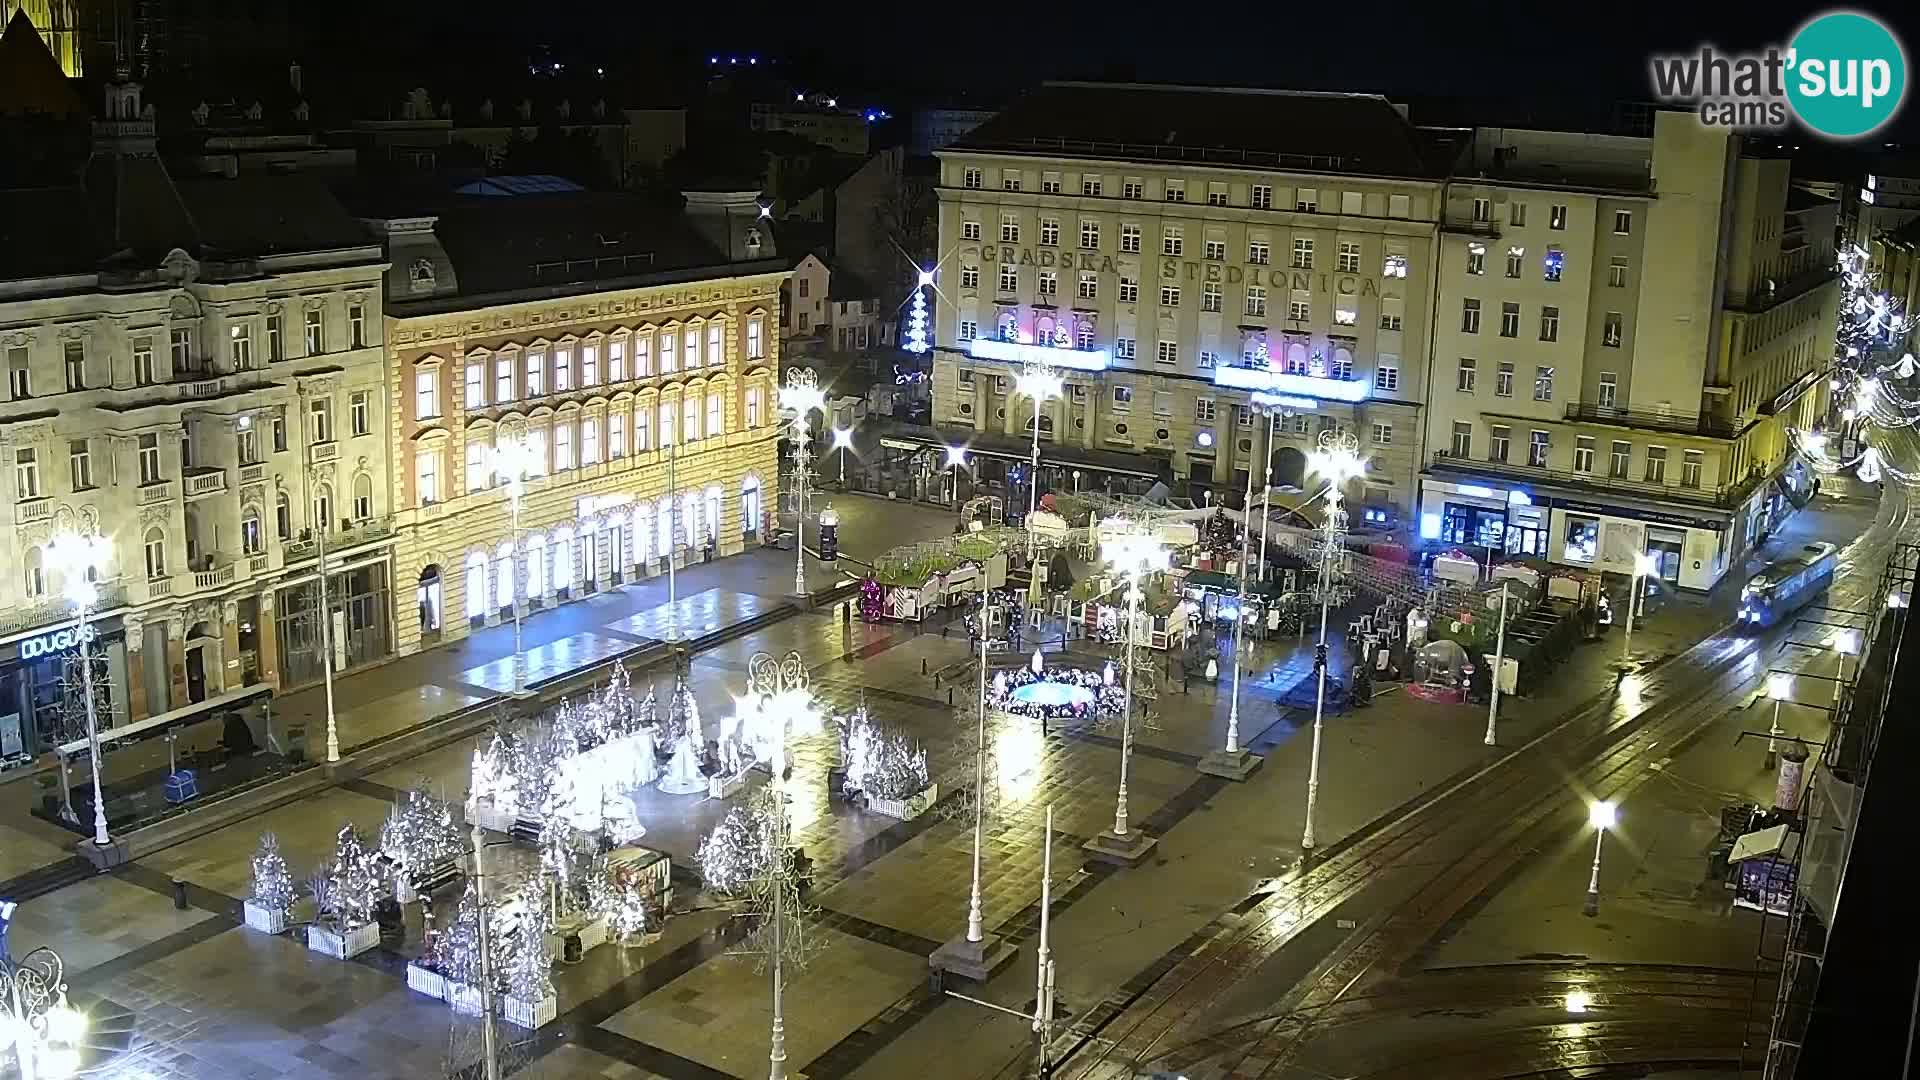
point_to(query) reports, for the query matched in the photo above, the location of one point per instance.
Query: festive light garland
(1869, 358)
(885, 764)
(739, 852)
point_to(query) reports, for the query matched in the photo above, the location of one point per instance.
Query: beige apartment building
(1624, 329)
(1191, 259)
(633, 349)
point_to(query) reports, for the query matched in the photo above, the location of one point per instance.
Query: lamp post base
(1235, 765)
(115, 853)
(1591, 909)
(1130, 850)
(975, 960)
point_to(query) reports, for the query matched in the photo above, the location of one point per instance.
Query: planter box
(464, 998)
(904, 809)
(343, 945)
(725, 787)
(427, 981)
(593, 932)
(532, 1014)
(482, 812)
(264, 919)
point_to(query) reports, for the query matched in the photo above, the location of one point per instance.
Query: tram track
(1438, 855)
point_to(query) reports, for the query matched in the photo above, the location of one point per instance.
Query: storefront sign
(1020, 352)
(57, 641)
(899, 444)
(1636, 514)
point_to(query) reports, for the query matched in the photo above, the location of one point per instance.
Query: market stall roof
(1763, 844)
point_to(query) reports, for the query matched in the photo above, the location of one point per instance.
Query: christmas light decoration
(917, 342)
(739, 852)
(272, 880)
(353, 881)
(881, 763)
(420, 834)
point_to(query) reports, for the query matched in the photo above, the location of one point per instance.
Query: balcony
(1724, 496)
(203, 481)
(353, 535)
(157, 492)
(1470, 227)
(217, 570)
(1711, 427)
(29, 511)
(113, 594)
(321, 453)
(253, 474)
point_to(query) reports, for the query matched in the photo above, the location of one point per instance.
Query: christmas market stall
(910, 583)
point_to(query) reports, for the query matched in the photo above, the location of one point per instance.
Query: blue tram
(1787, 585)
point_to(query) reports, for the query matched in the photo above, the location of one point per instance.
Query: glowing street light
(1042, 384)
(79, 559)
(511, 461)
(1135, 550)
(800, 396)
(1644, 566)
(1336, 460)
(36, 1021)
(1602, 816)
(843, 442)
(1845, 643)
(1779, 688)
(1236, 762)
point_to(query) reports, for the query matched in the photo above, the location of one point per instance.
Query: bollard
(923, 665)
(949, 695)
(180, 895)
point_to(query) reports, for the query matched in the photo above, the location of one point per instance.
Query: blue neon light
(1244, 378)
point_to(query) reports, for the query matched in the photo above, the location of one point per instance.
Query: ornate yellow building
(59, 25)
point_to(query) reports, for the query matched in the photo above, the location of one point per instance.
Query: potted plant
(271, 896)
(343, 899)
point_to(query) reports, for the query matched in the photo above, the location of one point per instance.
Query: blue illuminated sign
(1244, 378)
(1019, 352)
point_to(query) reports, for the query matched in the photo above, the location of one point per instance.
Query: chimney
(733, 221)
(293, 76)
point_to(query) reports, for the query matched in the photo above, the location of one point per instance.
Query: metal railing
(1680, 423)
(359, 532)
(113, 594)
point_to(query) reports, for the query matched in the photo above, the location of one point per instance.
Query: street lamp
(1779, 688)
(1644, 566)
(35, 1019)
(320, 528)
(1338, 461)
(1845, 643)
(80, 558)
(800, 396)
(1235, 762)
(1499, 664)
(956, 460)
(511, 461)
(1134, 549)
(843, 442)
(1042, 384)
(1602, 816)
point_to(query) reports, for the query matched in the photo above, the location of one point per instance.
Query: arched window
(712, 522)
(36, 573)
(156, 553)
(663, 529)
(1296, 358)
(692, 527)
(1009, 327)
(536, 557)
(253, 538)
(476, 584)
(503, 576)
(642, 531)
(362, 497)
(323, 506)
(282, 517)
(563, 558)
(750, 506)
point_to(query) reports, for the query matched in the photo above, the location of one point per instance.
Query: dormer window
(420, 275)
(753, 241)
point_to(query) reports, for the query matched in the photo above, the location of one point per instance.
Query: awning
(1759, 845)
(159, 725)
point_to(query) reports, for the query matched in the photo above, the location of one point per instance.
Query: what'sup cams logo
(1843, 76)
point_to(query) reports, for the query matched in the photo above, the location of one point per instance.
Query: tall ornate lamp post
(1134, 549)
(320, 528)
(1235, 762)
(843, 442)
(1644, 567)
(1338, 461)
(1276, 411)
(1039, 382)
(512, 460)
(800, 396)
(35, 1019)
(79, 558)
(1602, 816)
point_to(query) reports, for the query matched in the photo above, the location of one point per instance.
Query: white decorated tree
(272, 881)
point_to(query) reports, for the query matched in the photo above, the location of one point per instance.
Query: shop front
(360, 603)
(37, 713)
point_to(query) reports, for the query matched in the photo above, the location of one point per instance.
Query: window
(1656, 464)
(1386, 376)
(1516, 261)
(1620, 459)
(590, 360)
(1609, 389)
(589, 440)
(1394, 265)
(477, 472)
(1557, 218)
(1050, 232)
(155, 548)
(143, 374)
(689, 418)
(1162, 404)
(969, 230)
(1050, 184)
(1383, 434)
(1130, 238)
(1469, 316)
(1206, 360)
(1549, 324)
(1539, 445)
(1543, 384)
(1010, 181)
(280, 429)
(1610, 330)
(1345, 316)
(426, 476)
(1464, 378)
(1009, 229)
(1122, 398)
(1482, 210)
(320, 420)
(1083, 335)
(1299, 307)
(1169, 353)
(426, 394)
(1176, 191)
(1169, 296)
(1617, 272)
(1503, 381)
(180, 346)
(1090, 235)
(1243, 416)
(616, 435)
(359, 410)
(716, 415)
(1476, 258)
(80, 462)
(969, 329)
(643, 425)
(970, 179)
(1349, 258)
(1462, 439)
(1583, 453)
(562, 445)
(1256, 300)
(1215, 251)
(1089, 286)
(1009, 278)
(475, 377)
(1090, 185)
(1502, 437)
(1129, 291)
(1509, 320)
(1171, 241)
(503, 379)
(1690, 462)
(1216, 194)
(1259, 252)
(75, 354)
(1392, 311)
(1133, 189)
(19, 373)
(1306, 200)
(1554, 263)
(1352, 202)
(357, 325)
(315, 331)
(252, 538)
(1260, 197)
(149, 456)
(1516, 213)
(1210, 294)
(1622, 222)
(362, 497)
(26, 475)
(1203, 410)
(1124, 347)
(276, 339)
(282, 517)
(690, 358)
(756, 342)
(537, 373)
(1049, 282)
(1302, 253)
(617, 359)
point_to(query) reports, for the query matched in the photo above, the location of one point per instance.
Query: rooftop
(1349, 133)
